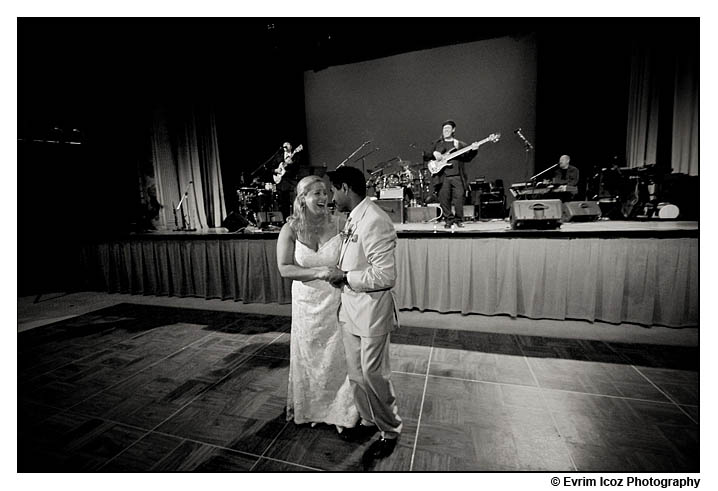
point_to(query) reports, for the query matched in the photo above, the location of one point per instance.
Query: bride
(307, 252)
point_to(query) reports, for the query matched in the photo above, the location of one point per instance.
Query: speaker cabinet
(270, 217)
(420, 214)
(488, 205)
(536, 214)
(581, 211)
(492, 209)
(393, 207)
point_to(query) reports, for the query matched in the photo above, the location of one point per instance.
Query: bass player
(450, 181)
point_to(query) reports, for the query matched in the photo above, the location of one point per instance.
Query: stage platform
(641, 272)
(485, 228)
(598, 228)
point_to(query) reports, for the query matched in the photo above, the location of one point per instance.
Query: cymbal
(386, 162)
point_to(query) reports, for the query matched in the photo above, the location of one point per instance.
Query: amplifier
(271, 217)
(391, 193)
(469, 212)
(536, 213)
(491, 209)
(393, 207)
(419, 214)
(478, 197)
(581, 211)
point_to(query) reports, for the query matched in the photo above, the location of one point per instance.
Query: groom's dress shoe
(358, 433)
(381, 448)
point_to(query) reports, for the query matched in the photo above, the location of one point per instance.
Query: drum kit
(632, 192)
(394, 174)
(260, 197)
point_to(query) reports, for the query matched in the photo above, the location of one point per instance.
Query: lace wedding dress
(319, 390)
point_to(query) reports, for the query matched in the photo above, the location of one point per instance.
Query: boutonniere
(349, 236)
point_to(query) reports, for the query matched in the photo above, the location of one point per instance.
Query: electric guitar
(442, 161)
(282, 169)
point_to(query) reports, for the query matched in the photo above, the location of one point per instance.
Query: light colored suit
(368, 313)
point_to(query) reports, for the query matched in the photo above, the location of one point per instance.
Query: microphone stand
(544, 171)
(352, 154)
(527, 147)
(364, 156)
(186, 220)
(174, 212)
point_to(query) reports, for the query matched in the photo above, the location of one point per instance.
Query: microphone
(520, 135)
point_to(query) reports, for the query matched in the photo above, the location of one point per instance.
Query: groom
(367, 313)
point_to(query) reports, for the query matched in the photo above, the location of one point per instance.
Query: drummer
(406, 176)
(406, 180)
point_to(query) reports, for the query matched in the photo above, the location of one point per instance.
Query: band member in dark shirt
(285, 177)
(450, 182)
(565, 174)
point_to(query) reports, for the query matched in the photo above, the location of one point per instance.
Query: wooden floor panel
(136, 388)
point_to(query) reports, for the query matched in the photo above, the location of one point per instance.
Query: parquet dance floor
(148, 388)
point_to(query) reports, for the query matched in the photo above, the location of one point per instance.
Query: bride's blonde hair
(299, 215)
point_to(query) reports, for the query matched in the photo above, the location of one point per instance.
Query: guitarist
(287, 164)
(450, 182)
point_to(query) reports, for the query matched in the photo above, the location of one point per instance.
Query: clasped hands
(331, 274)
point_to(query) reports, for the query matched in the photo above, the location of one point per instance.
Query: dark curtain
(664, 93)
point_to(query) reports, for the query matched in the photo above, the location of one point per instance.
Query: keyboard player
(565, 177)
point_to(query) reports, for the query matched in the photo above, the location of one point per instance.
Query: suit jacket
(368, 254)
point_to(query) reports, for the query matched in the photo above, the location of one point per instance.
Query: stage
(604, 228)
(643, 272)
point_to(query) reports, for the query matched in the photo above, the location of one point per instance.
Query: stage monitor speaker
(393, 207)
(270, 217)
(536, 214)
(419, 214)
(234, 222)
(581, 211)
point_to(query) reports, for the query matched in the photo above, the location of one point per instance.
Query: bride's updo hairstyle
(298, 219)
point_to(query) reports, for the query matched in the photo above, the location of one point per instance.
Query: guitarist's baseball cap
(449, 122)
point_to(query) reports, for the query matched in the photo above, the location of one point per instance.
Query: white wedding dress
(319, 390)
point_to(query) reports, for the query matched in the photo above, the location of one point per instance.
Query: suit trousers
(452, 192)
(370, 378)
